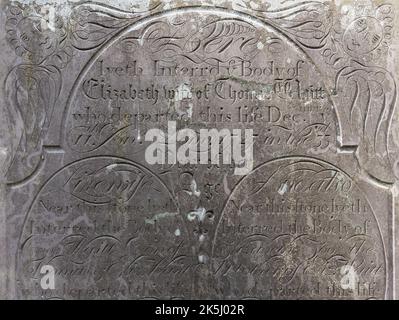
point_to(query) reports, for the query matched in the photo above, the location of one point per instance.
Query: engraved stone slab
(198, 149)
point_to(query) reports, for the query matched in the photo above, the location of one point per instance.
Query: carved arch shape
(256, 21)
(288, 181)
(98, 188)
(350, 139)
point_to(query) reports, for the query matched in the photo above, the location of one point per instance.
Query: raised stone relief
(188, 149)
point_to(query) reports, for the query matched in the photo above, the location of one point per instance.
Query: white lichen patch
(254, 5)
(111, 166)
(349, 277)
(283, 189)
(183, 92)
(127, 5)
(189, 110)
(197, 214)
(261, 97)
(49, 18)
(226, 185)
(202, 258)
(159, 216)
(194, 188)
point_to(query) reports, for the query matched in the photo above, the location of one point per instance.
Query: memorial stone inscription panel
(198, 150)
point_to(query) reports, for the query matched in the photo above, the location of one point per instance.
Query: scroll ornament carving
(353, 52)
(45, 47)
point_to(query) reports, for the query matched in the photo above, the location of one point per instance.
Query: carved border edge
(395, 225)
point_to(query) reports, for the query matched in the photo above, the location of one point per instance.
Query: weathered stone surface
(293, 195)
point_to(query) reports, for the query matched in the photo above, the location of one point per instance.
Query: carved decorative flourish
(101, 185)
(92, 25)
(272, 195)
(124, 234)
(364, 90)
(214, 40)
(308, 22)
(353, 46)
(369, 36)
(109, 186)
(34, 85)
(31, 35)
(32, 91)
(360, 40)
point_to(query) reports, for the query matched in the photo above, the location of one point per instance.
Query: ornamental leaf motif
(364, 91)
